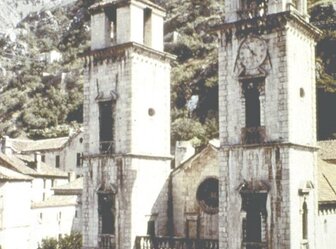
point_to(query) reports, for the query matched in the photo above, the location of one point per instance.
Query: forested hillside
(41, 74)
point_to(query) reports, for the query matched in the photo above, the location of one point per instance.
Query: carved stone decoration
(252, 54)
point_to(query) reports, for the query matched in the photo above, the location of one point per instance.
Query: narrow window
(76, 214)
(78, 161)
(112, 16)
(147, 27)
(253, 132)
(57, 162)
(252, 106)
(43, 158)
(151, 228)
(106, 207)
(304, 221)
(254, 224)
(106, 126)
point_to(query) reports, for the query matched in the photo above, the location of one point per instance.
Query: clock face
(252, 52)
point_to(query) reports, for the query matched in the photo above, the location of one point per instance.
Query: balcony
(254, 245)
(147, 242)
(253, 135)
(106, 241)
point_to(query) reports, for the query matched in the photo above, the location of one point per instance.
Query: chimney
(71, 176)
(37, 161)
(183, 151)
(7, 146)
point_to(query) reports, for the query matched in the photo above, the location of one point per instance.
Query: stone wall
(138, 184)
(15, 214)
(185, 182)
(137, 80)
(326, 227)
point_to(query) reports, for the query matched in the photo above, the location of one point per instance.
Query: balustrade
(148, 242)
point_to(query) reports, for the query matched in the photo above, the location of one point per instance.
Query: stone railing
(254, 245)
(148, 242)
(253, 135)
(106, 147)
(106, 241)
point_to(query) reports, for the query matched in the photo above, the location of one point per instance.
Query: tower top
(236, 10)
(114, 22)
(105, 4)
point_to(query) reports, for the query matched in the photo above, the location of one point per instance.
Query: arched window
(254, 224)
(252, 106)
(106, 210)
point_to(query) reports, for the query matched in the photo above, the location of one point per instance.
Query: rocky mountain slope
(40, 74)
(12, 12)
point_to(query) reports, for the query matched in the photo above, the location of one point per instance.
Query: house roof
(326, 182)
(327, 149)
(73, 187)
(20, 163)
(57, 201)
(27, 145)
(11, 175)
(213, 145)
(21, 145)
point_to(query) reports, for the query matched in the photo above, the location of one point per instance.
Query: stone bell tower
(127, 124)
(267, 125)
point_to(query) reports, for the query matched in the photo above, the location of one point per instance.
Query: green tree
(48, 243)
(72, 241)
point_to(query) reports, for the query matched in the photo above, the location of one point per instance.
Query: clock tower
(268, 192)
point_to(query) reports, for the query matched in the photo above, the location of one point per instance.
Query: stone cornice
(121, 51)
(101, 6)
(130, 155)
(268, 24)
(270, 145)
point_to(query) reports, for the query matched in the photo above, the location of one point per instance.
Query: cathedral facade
(258, 188)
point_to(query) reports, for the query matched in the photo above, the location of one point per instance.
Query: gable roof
(327, 149)
(73, 187)
(213, 145)
(22, 145)
(19, 163)
(11, 175)
(326, 182)
(28, 145)
(57, 201)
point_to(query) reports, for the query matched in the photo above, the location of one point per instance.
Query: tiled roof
(27, 145)
(326, 182)
(45, 169)
(57, 201)
(21, 145)
(20, 164)
(327, 149)
(74, 187)
(11, 175)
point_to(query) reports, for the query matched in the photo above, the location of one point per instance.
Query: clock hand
(252, 52)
